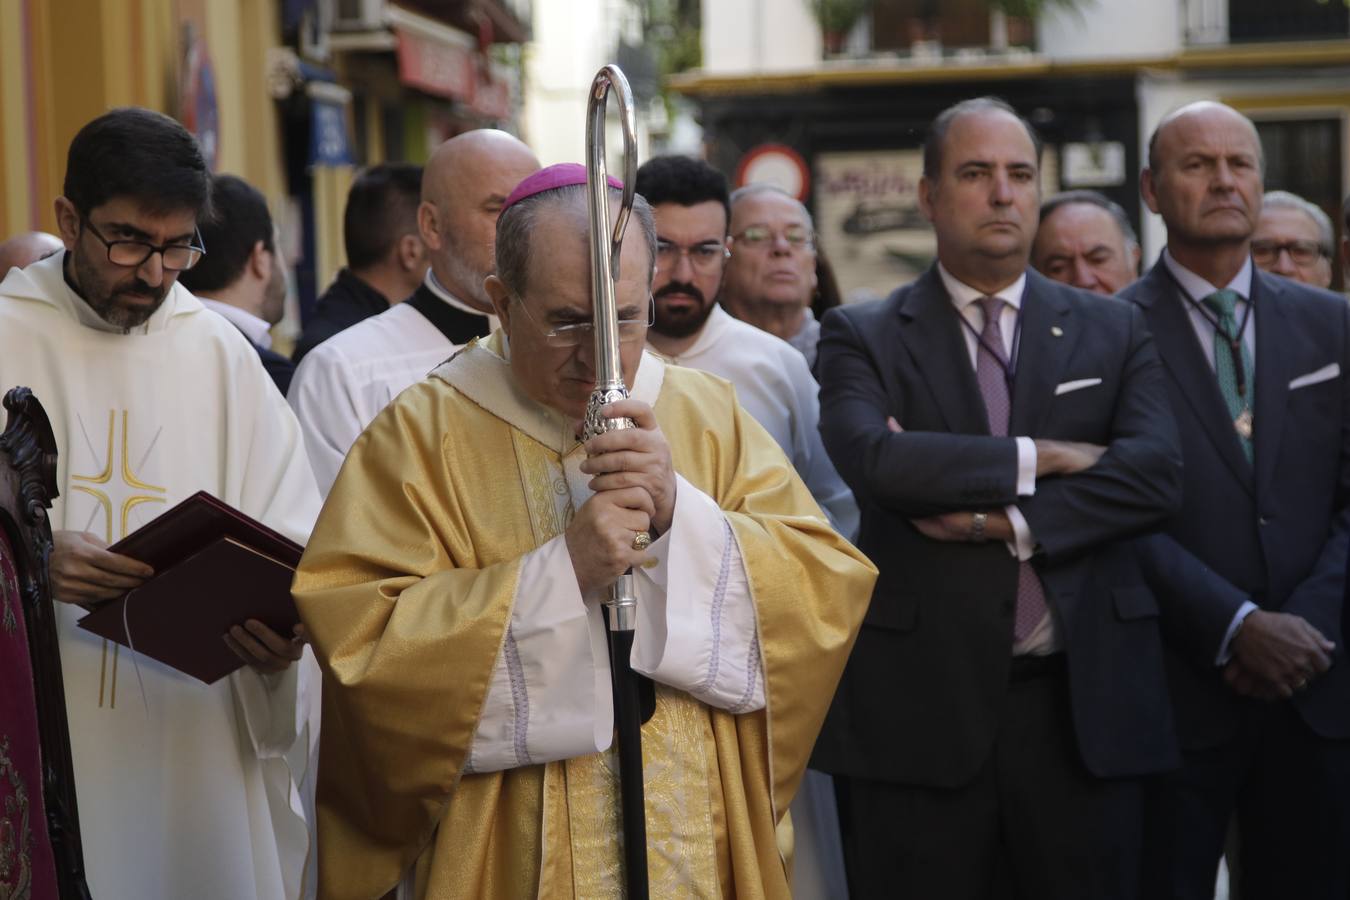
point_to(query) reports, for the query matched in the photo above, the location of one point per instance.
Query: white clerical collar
(1199, 288)
(713, 329)
(258, 332)
(482, 373)
(434, 285)
(90, 319)
(962, 294)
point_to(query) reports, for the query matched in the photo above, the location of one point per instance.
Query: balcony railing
(1252, 21)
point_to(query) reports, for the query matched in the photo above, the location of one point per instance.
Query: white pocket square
(1070, 386)
(1326, 373)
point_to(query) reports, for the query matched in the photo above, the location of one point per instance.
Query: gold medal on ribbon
(1243, 424)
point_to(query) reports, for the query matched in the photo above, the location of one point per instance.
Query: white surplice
(184, 789)
(550, 695)
(776, 387)
(343, 383)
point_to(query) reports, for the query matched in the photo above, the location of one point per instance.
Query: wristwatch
(977, 522)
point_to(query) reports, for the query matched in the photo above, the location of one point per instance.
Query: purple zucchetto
(555, 176)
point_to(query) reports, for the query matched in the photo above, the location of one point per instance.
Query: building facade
(292, 95)
(843, 129)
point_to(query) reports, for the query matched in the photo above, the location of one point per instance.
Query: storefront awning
(437, 59)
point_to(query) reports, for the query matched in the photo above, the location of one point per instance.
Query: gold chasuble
(408, 586)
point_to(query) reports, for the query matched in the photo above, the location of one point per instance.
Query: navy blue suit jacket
(1274, 531)
(920, 698)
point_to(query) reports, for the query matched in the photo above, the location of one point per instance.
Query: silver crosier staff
(621, 604)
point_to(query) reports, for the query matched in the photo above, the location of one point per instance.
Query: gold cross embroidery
(126, 493)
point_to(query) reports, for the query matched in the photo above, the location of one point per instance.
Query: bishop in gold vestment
(449, 589)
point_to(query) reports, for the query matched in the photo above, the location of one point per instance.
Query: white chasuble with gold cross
(184, 789)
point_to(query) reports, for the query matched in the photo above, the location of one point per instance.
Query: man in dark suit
(1251, 572)
(386, 256)
(1002, 434)
(244, 278)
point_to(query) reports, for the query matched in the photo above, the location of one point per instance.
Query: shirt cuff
(549, 695)
(1226, 646)
(696, 623)
(1023, 545)
(1026, 467)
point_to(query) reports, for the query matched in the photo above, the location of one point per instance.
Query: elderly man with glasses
(771, 274)
(1294, 238)
(184, 787)
(453, 588)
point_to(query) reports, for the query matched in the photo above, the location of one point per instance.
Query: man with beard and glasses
(346, 380)
(244, 276)
(774, 385)
(184, 787)
(772, 381)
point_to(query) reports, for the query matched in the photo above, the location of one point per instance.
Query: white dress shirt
(965, 298)
(1198, 288)
(255, 329)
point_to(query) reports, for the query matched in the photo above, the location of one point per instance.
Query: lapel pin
(1056, 331)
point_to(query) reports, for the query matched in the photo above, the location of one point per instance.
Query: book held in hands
(214, 568)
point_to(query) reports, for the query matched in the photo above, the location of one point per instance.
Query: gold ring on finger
(642, 540)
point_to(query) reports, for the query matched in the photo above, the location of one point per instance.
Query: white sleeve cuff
(696, 621)
(1226, 645)
(549, 697)
(267, 706)
(1026, 467)
(1023, 545)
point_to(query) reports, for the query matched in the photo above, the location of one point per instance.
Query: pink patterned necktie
(991, 366)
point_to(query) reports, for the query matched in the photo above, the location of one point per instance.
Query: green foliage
(672, 31)
(838, 16)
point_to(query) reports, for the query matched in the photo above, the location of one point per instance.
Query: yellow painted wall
(331, 185)
(15, 191)
(260, 28)
(89, 56)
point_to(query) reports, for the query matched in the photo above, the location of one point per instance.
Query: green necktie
(1223, 303)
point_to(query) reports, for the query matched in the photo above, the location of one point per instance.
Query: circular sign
(778, 165)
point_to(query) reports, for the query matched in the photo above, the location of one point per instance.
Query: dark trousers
(1290, 791)
(1034, 824)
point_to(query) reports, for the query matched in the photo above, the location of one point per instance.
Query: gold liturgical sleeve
(407, 588)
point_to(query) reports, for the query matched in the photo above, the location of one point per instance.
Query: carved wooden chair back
(40, 852)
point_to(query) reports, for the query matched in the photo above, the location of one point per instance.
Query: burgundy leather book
(179, 617)
(214, 567)
(196, 522)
